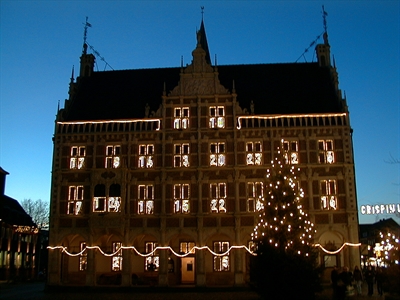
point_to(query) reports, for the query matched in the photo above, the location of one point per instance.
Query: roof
(274, 88)
(12, 213)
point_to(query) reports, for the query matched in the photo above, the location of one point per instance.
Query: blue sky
(41, 41)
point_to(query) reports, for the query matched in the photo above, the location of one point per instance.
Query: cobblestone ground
(36, 291)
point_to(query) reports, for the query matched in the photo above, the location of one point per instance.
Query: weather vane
(202, 12)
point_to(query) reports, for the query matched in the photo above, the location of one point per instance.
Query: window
(77, 160)
(75, 198)
(290, 152)
(181, 198)
(328, 195)
(221, 262)
(255, 198)
(187, 247)
(253, 153)
(218, 197)
(181, 117)
(325, 152)
(146, 153)
(217, 154)
(102, 203)
(116, 264)
(152, 262)
(113, 159)
(146, 199)
(82, 257)
(181, 155)
(217, 116)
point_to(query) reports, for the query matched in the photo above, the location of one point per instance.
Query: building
(158, 173)
(370, 239)
(18, 238)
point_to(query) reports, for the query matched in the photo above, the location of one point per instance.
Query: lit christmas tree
(283, 223)
(286, 263)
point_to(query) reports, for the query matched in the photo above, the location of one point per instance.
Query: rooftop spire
(87, 25)
(324, 15)
(202, 38)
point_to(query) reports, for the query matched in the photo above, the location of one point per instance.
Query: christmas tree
(286, 261)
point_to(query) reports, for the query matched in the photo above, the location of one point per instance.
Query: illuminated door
(188, 269)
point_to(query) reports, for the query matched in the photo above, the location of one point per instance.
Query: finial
(181, 61)
(202, 13)
(215, 63)
(72, 74)
(324, 15)
(87, 25)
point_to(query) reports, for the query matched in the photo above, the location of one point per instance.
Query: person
(369, 278)
(347, 278)
(334, 280)
(379, 278)
(358, 278)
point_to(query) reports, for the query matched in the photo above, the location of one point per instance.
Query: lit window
(255, 198)
(181, 155)
(82, 257)
(113, 159)
(146, 199)
(75, 198)
(217, 154)
(181, 117)
(221, 263)
(253, 153)
(217, 116)
(77, 160)
(104, 203)
(218, 197)
(146, 153)
(291, 152)
(328, 195)
(325, 152)
(187, 247)
(181, 198)
(152, 262)
(116, 264)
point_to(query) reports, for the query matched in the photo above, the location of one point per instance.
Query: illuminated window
(116, 264)
(218, 197)
(181, 155)
(113, 159)
(221, 263)
(291, 152)
(152, 262)
(181, 117)
(328, 195)
(110, 203)
(217, 154)
(77, 159)
(217, 116)
(325, 152)
(187, 247)
(255, 198)
(181, 198)
(146, 153)
(253, 153)
(146, 199)
(75, 198)
(82, 257)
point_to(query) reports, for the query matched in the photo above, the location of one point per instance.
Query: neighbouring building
(18, 238)
(158, 174)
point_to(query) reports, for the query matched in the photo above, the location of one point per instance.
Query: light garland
(338, 250)
(64, 250)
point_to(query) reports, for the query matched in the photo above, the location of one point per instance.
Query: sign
(380, 209)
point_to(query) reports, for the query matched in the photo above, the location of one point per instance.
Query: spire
(202, 38)
(324, 15)
(324, 50)
(72, 75)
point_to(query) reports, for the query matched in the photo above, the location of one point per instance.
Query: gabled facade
(158, 174)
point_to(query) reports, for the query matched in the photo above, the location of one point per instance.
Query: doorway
(187, 269)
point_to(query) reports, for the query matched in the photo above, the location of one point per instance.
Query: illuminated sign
(380, 209)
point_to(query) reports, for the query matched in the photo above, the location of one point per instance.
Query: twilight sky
(40, 41)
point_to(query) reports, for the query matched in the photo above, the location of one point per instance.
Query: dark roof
(12, 213)
(274, 88)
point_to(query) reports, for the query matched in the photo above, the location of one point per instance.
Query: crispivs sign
(380, 209)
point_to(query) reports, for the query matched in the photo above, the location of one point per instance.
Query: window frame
(75, 200)
(327, 196)
(216, 115)
(113, 157)
(218, 203)
(145, 204)
(218, 154)
(77, 158)
(254, 156)
(146, 156)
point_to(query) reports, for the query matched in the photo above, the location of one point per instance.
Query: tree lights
(387, 250)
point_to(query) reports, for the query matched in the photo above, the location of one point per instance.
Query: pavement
(37, 291)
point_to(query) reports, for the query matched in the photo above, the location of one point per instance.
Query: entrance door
(188, 269)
